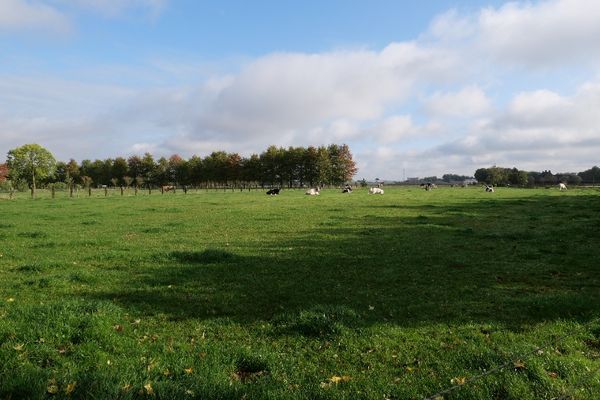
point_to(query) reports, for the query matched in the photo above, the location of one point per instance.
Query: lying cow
(375, 191)
(489, 188)
(313, 192)
(273, 192)
(347, 189)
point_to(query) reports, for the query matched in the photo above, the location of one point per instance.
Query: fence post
(89, 191)
(105, 191)
(53, 191)
(121, 190)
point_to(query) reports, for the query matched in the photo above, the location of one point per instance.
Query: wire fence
(512, 362)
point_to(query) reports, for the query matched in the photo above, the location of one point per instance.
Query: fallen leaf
(52, 387)
(519, 364)
(167, 373)
(188, 370)
(118, 328)
(19, 347)
(460, 380)
(70, 388)
(10, 300)
(371, 308)
(148, 388)
(553, 375)
(126, 387)
(337, 379)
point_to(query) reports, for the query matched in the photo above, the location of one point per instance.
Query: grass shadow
(467, 265)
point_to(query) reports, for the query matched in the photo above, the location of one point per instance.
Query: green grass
(241, 295)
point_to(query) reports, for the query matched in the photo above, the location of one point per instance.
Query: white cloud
(544, 33)
(54, 16)
(468, 102)
(538, 129)
(22, 15)
(540, 34)
(113, 8)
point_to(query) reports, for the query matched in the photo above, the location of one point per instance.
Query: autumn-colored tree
(342, 166)
(3, 172)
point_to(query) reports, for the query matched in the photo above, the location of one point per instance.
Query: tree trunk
(33, 182)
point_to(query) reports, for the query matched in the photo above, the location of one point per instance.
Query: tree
(73, 172)
(30, 163)
(148, 169)
(323, 166)
(591, 175)
(119, 169)
(196, 170)
(482, 175)
(342, 167)
(3, 172)
(518, 178)
(134, 164)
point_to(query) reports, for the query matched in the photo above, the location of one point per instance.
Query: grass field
(246, 296)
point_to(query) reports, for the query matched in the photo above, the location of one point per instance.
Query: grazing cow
(273, 192)
(428, 186)
(375, 191)
(489, 188)
(168, 188)
(313, 192)
(562, 186)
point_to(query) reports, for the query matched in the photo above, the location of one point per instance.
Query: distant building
(412, 180)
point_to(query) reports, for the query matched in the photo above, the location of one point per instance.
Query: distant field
(239, 295)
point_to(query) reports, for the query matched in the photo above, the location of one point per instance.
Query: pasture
(239, 295)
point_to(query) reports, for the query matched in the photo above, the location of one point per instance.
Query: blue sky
(444, 86)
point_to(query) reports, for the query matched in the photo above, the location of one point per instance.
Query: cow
(273, 192)
(313, 192)
(562, 186)
(428, 186)
(375, 191)
(347, 189)
(489, 188)
(167, 188)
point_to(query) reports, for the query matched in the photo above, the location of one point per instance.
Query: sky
(414, 88)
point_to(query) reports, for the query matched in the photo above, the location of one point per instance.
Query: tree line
(276, 166)
(499, 176)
